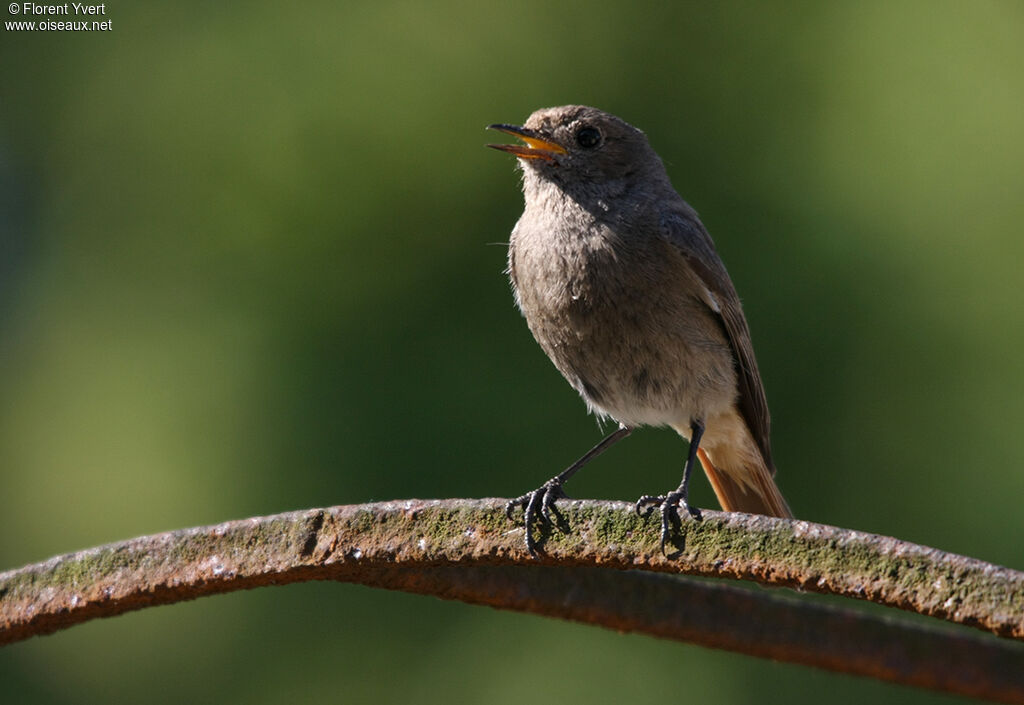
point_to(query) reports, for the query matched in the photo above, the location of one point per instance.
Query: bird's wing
(683, 229)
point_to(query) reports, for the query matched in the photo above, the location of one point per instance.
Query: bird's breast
(619, 321)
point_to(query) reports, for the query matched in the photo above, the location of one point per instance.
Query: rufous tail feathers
(743, 483)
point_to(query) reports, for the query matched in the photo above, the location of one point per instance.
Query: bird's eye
(588, 137)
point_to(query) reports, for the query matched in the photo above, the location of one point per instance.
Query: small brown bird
(621, 285)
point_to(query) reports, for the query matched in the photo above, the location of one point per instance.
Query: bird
(623, 289)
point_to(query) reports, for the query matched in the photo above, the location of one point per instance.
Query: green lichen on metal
(74, 571)
(281, 547)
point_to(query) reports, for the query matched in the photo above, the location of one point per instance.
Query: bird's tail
(743, 482)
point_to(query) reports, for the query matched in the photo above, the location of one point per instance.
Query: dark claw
(548, 510)
(512, 504)
(669, 504)
(544, 498)
(648, 501)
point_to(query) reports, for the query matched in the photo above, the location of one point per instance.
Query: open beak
(536, 146)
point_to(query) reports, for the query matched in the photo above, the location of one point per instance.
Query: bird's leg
(678, 497)
(543, 498)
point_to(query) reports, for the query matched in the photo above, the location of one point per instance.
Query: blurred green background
(251, 261)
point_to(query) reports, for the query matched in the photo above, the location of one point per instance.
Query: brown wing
(683, 229)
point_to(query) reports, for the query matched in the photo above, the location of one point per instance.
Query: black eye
(588, 137)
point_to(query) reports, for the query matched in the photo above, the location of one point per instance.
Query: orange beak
(536, 147)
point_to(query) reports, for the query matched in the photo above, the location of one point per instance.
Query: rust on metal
(467, 550)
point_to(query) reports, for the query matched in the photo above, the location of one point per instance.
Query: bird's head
(582, 145)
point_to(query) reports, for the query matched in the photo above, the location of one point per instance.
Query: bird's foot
(669, 503)
(542, 501)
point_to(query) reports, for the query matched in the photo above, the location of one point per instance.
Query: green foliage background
(249, 263)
